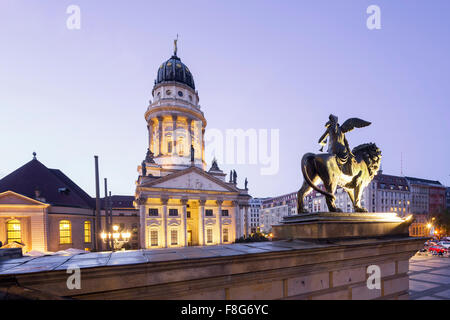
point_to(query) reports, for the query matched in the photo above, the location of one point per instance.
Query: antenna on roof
(401, 163)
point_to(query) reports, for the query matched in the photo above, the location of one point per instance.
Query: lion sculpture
(364, 164)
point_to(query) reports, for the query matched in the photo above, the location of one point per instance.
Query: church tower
(180, 202)
(175, 123)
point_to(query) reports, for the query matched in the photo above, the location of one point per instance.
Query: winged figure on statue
(339, 166)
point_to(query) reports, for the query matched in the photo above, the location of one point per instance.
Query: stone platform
(303, 270)
(327, 226)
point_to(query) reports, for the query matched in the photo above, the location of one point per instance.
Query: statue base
(339, 225)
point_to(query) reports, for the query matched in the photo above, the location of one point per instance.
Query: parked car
(445, 244)
(437, 249)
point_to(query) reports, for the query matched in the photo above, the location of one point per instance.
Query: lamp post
(116, 238)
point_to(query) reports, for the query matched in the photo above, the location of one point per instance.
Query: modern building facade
(254, 213)
(428, 196)
(447, 198)
(388, 193)
(274, 209)
(179, 202)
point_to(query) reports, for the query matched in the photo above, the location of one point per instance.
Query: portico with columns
(180, 203)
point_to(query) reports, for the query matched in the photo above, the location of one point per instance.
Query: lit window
(209, 236)
(174, 237)
(87, 231)
(14, 231)
(65, 232)
(225, 235)
(154, 238)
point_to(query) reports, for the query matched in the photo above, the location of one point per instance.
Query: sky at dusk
(72, 94)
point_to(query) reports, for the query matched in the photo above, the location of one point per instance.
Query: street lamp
(116, 239)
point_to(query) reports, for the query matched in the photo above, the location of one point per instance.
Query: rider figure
(337, 144)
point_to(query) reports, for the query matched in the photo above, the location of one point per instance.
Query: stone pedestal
(338, 226)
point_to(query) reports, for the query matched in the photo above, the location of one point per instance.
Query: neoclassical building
(181, 203)
(44, 210)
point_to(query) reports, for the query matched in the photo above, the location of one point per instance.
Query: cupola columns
(181, 122)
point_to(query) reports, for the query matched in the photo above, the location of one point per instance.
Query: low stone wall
(275, 270)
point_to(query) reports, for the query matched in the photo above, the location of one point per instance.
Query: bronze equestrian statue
(351, 170)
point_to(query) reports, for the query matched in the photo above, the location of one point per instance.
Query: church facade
(181, 202)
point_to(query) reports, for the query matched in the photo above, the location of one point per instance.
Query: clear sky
(72, 94)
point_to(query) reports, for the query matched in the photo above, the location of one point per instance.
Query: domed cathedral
(181, 203)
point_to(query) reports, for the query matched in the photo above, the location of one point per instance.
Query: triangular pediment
(12, 198)
(193, 179)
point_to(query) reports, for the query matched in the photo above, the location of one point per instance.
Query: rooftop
(424, 182)
(34, 180)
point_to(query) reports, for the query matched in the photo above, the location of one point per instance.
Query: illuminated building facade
(274, 209)
(180, 203)
(254, 214)
(44, 210)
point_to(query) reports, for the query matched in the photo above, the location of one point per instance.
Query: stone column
(201, 222)
(246, 221)
(150, 133)
(203, 144)
(164, 221)
(219, 217)
(184, 220)
(160, 135)
(174, 134)
(237, 219)
(190, 135)
(38, 231)
(143, 236)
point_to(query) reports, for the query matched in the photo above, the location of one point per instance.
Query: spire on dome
(175, 46)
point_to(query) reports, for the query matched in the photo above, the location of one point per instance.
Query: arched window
(87, 232)
(14, 231)
(65, 232)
